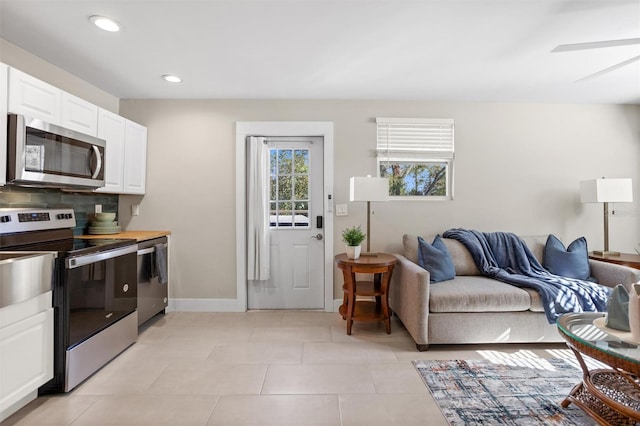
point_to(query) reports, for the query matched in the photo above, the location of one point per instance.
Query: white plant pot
(353, 252)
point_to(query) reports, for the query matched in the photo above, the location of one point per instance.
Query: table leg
(596, 401)
(350, 280)
(386, 311)
(344, 303)
(377, 279)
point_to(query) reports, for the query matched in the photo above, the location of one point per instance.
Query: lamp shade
(606, 191)
(368, 189)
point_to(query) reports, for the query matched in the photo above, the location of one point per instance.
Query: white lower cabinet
(26, 352)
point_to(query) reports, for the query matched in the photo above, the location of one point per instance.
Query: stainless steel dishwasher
(153, 279)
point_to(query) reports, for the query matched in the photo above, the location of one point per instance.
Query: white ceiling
(437, 50)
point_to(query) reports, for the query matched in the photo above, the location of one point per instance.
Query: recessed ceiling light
(105, 23)
(172, 78)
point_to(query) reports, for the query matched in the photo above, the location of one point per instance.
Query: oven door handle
(76, 262)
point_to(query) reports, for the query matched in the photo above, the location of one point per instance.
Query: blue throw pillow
(572, 262)
(436, 259)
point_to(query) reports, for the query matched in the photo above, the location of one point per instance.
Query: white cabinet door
(26, 357)
(79, 115)
(34, 98)
(111, 127)
(4, 90)
(135, 158)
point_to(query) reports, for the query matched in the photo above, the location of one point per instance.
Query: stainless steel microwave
(43, 154)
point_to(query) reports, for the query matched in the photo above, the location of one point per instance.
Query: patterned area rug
(480, 392)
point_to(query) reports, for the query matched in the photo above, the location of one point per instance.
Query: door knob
(317, 237)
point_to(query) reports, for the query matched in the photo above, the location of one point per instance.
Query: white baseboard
(220, 305)
(205, 305)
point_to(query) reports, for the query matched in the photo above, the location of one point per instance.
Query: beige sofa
(472, 308)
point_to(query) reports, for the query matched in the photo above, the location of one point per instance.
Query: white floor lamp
(606, 191)
(368, 189)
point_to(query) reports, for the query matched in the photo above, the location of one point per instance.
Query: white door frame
(282, 128)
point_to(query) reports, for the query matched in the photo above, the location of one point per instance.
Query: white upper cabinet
(126, 142)
(34, 98)
(79, 115)
(135, 158)
(4, 90)
(111, 127)
(126, 154)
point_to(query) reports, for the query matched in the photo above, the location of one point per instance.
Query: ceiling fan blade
(595, 45)
(609, 69)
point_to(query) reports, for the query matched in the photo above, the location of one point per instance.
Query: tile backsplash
(83, 203)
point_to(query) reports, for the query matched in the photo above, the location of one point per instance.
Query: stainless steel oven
(100, 295)
(43, 154)
(94, 290)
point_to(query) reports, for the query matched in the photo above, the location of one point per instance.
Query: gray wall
(517, 168)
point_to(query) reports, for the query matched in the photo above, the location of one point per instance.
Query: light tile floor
(261, 368)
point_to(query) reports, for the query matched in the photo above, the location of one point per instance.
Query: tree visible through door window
(289, 200)
(417, 156)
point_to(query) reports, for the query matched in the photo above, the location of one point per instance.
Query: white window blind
(415, 138)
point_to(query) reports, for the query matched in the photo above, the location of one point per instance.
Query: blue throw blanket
(507, 258)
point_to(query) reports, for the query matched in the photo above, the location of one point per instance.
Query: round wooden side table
(381, 266)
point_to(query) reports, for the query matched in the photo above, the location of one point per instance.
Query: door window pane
(289, 188)
(301, 161)
(284, 161)
(301, 188)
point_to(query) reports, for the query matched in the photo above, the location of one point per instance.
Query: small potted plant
(353, 237)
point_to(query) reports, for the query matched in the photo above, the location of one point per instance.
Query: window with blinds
(416, 154)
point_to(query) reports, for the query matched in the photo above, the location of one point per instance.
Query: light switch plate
(342, 209)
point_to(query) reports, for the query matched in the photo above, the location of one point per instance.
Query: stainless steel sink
(24, 275)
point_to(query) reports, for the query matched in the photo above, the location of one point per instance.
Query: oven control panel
(14, 220)
(34, 217)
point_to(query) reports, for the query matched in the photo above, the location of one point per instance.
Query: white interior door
(297, 236)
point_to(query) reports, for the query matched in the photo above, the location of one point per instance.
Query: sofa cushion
(435, 258)
(461, 257)
(536, 244)
(477, 294)
(572, 262)
(536, 300)
(463, 263)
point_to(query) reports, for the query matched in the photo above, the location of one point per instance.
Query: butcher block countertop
(135, 235)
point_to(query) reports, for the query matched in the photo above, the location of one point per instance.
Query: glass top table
(610, 395)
